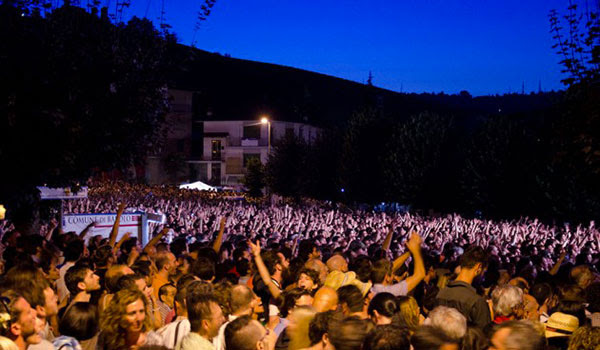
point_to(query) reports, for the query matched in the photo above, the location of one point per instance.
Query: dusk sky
(485, 47)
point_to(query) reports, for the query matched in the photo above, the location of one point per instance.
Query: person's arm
(156, 239)
(219, 239)
(87, 229)
(414, 246)
(559, 262)
(115, 228)
(388, 239)
(262, 270)
(400, 261)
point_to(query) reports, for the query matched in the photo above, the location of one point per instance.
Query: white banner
(62, 193)
(130, 222)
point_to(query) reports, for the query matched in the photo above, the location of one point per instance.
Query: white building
(215, 152)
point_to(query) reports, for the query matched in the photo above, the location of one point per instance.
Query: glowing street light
(265, 120)
(2, 212)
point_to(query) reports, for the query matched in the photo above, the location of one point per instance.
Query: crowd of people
(223, 272)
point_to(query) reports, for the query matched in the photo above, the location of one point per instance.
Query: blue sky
(485, 47)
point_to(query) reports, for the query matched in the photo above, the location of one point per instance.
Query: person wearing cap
(382, 273)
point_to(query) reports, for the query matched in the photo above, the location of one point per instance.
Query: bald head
(337, 263)
(319, 266)
(325, 299)
(241, 299)
(244, 333)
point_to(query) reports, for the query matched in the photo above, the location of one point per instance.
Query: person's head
(204, 268)
(388, 337)
(347, 333)
(293, 298)
(317, 329)
(80, 278)
(475, 260)
(166, 262)
(273, 262)
(74, 250)
(113, 274)
(325, 299)
(205, 314)
(299, 321)
(507, 301)
(103, 256)
(244, 333)
(350, 299)
(585, 338)
(582, 275)
(409, 314)
(382, 307)
(474, 339)
(18, 319)
(320, 267)
(166, 294)
(308, 279)
(542, 292)
(432, 338)
(381, 271)
(449, 321)
(520, 335)
(337, 263)
(243, 299)
(80, 321)
(531, 308)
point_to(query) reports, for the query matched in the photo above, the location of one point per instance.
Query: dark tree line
(542, 162)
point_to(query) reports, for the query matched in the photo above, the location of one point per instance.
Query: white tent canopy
(198, 185)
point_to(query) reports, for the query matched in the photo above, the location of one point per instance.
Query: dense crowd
(224, 272)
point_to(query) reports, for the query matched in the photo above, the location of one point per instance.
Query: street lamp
(265, 120)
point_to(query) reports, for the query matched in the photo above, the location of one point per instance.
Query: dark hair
(318, 326)
(198, 307)
(429, 338)
(102, 255)
(472, 256)
(351, 296)
(305, 248)
(7, 303)
(163, 290)
(73, 250)
(541, 292)
(381, 268)
(593, 297)
(388, 337)
(385, 304)
(312, 274)
(348, 333)
(128, 281)
(242, 266)
(289, 298)
(271, 259)
(236, 338)
(161, 260)
(80, 321)
(74, 275)
(29, 281)
(204, 268)
(474, 339)
(363, 267)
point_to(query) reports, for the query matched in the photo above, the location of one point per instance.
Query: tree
(79, 94)
(414, 161)
(286, 165)
(254, 180)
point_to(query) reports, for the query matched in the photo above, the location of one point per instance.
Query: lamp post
(265, 120)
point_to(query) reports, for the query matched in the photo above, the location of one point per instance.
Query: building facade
(215, 151)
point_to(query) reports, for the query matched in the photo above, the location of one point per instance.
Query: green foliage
(286, 166)
(415, 160)
(254, 180)
(79, 94)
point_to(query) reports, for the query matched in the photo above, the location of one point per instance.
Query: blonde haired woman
(125, 324)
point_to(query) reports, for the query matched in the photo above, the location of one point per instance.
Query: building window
(248, 156)
(252, 132)
(216, 149)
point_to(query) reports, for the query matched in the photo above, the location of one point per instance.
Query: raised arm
(219, 239)
(115, 228)
(414, 246)
(156, 239)
(262, 269)
(87, 229)
(388, 239)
